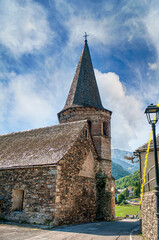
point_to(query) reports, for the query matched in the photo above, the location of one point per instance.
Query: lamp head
(152, 113)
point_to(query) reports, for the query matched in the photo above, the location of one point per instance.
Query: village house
(148, 206)
(62, 174)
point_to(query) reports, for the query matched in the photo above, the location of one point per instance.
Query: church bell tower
(84, 103)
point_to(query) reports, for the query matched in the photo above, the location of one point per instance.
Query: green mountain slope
(117, 156)
(118, 171)
(128, 181)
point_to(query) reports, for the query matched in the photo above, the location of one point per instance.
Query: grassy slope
(122, 211)
(118, 171)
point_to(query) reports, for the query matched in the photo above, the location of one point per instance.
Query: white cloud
(24, 27)
(4, 101)
(33, 100)
(29, 100)
(100, 30)
(151, 22)
(129, 124)
(153, 66)
(26, 101)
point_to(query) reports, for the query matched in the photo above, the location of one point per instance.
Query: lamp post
(152, 112)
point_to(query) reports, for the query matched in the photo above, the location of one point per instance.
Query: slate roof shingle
(38, 146)
(84, 90)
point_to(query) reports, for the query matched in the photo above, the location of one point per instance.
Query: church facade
(62, 174)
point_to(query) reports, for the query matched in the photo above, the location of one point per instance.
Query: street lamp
(152, 112)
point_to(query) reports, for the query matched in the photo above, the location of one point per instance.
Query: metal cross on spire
(85, 36)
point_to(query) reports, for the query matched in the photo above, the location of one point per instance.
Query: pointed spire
(84, 90)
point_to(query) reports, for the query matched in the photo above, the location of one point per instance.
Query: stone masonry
(39, 186)
(59, 194)
(76, 184)
(148, 214)
(96, 117)
(105, 192)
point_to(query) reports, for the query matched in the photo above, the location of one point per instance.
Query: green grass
(122, 211)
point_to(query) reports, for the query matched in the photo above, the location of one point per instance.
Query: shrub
(120, 198)
(125, 193)
(123, 202)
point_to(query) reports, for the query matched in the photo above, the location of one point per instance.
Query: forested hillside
(118, 171)
(128, 181)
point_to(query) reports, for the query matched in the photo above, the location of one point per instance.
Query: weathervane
(85, 36)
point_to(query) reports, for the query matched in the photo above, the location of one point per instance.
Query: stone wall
(62, 194)
(113, 198)
(81, 113)
(97, 117)
(1, 204)
(102, 143)
(148, 215)
(77, 193)
(105, 167)
(76, 184)
(105, 197)
(39, 186)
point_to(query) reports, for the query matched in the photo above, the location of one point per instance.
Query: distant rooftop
(145, 145)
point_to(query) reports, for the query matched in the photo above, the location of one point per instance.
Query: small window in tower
(90, 125)
(106, 129)
(18, 198)
(86, 133)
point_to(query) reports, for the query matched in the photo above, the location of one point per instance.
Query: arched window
(106, 129)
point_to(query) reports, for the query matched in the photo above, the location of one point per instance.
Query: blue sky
(41, 42)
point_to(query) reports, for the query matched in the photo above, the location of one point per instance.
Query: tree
(128, 181)
(136, 192)
(126, 193)
(120, 198)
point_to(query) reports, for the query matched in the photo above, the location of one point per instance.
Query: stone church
(61, 174)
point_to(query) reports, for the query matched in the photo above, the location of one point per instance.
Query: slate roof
(38, 146)
(145, 145)
(84, 90)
